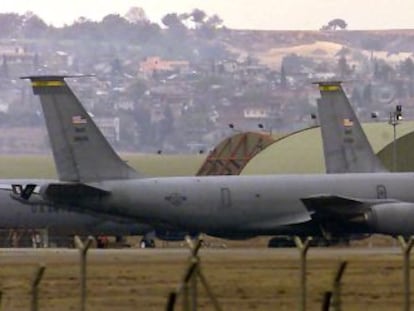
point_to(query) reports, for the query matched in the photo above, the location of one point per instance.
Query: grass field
(242, 279)
(285, 156)
(42, 166)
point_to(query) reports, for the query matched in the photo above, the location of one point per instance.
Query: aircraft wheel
(144, 243)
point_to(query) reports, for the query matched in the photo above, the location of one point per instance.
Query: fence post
(406, 247)
(192, 272)
(336, 292)
(194, 260)
(83, 251)
(326, 301)
(35, 287)
(303, 247)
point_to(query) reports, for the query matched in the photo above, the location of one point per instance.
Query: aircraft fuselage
(248, 205)
(18, 215)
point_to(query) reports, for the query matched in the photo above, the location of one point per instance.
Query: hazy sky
(245, 14)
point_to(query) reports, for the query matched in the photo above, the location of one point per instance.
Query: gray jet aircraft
(345, 145)
(93, 178)
(16, 214)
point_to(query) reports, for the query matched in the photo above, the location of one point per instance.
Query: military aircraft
(346, 150)
(17, 215)
(345, 145)
(93, 178)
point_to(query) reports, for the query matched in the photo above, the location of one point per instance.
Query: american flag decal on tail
(78, 120)
(348, 122)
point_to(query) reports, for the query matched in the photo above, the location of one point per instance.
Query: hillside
(271, 46)
(172, 89)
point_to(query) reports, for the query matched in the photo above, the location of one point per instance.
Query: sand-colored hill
(269, 47)
(317, 50)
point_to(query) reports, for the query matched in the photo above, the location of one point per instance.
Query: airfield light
(395, 116)
(263, 127)
(398, 112)
(314, 118)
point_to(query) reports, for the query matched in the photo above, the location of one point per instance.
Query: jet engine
(391, 218)
(169, 235)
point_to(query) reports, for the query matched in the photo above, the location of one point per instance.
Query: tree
(167, 124)
(407, 68)
(376, 70)
(387, 72)
(214, 21)
(343, 67)
(372, 44)
(367, 94)
(128, 131)
(142, 117)
(198, 16)
(283, 80)
(136, 15)
(176, 28)
(115, 26)
(343, 52)
(137, 89)
(294, 63)
(209, 27)
(335, 24)
(82, 29)
(10, 24)
(383, 71)
(356, 96)
(36, 62)
(33, 26)
(173, 22)
(116, 66)
(4, 72)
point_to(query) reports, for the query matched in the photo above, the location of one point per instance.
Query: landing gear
(148, 240)
(102, 241)
(147, 243)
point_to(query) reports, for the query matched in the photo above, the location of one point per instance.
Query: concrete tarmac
(69, 254)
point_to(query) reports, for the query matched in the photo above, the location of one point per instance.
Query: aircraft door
(225, 197)
(381, 192)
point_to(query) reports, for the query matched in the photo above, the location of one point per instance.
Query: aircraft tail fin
(346, 147)
(80, 151)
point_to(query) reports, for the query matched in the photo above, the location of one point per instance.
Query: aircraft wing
(337, 214)
(339, 207)
(71, 192)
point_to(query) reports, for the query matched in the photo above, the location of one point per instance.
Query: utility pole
(395, 116)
